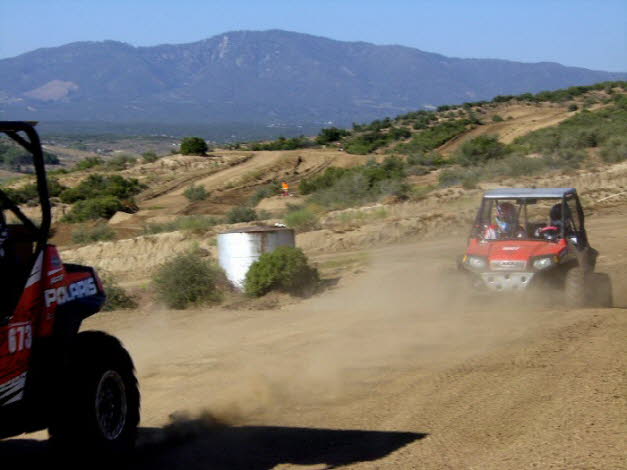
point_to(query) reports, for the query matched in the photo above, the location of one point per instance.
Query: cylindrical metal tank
(239, 248)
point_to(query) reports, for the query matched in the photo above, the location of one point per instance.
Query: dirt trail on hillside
(262, 167)
(524, 119)
(392, 369)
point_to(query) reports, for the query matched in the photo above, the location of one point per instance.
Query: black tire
(575, 287)
(99, 406)
(601, 290)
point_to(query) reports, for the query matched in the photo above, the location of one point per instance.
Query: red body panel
(515, 250)
(48, 285)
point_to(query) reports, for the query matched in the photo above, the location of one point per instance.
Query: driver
(505, 223)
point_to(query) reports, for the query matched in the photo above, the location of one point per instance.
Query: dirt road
(391, 369)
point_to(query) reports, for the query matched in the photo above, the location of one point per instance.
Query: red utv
(80, 386)
(524, 238)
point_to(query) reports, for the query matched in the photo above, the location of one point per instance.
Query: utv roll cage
(25, 135)
(525, 196)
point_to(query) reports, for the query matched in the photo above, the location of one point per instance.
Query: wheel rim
(111, 405)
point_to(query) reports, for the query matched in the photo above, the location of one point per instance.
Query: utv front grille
(507, 265)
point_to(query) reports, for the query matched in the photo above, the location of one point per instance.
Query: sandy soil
(391, 369)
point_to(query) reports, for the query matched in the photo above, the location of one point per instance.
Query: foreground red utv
(80, 386)
(525, 238)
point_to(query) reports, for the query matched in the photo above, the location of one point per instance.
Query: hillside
(340, 200)
(265, 77)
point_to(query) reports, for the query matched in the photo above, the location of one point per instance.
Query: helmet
(505, 216)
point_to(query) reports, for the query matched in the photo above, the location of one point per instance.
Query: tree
(194, 146)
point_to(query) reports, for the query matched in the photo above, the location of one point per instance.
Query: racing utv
(523, 238)
(80, 386)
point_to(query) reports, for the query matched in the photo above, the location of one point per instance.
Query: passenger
(554, 229)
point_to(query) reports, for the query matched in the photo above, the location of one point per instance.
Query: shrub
(117, 297)
(480, 150)
(98, 185)
(268, 190)
(241, 214)
(120, 162)
(28, 193)
(149, 157)
(102, 207)
(100, 232)
(196, 193)
(185, 280)
(497, 118)
(466, 177)
(302, 220)
(285, 269)
(282, 144)
(325, 180)
(190, 223)
(89, 162)
(615, 150)
(433, 137)
(194, 146)
(331, 134)
(573, 107)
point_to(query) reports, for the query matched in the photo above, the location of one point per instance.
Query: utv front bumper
(511, 281)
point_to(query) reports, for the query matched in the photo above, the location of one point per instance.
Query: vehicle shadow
(195, 445)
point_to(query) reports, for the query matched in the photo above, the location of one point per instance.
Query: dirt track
(391, 369)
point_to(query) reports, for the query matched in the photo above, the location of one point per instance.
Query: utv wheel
(575, 287)
(99, 409)
(601, 290)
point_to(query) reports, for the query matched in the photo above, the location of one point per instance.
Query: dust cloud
(241, 367)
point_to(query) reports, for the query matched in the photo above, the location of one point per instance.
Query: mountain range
(268, 77)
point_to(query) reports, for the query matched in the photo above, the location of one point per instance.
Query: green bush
(101, 232)
(194, 146)
(149, 157)
(331, 134)
(241, 214)
(285, 269)
(325, 180)
(459, 176)
(196, 193)
(497, 118)
(268, 190)
(28, 193)
(117, 297)
(573, 107)
(340, 188)
(101, 207)
(433, 137)
(301, 220)
(615, 150)
(89, 162)
(282, 144)
(98, 185)
(190, 223)
(480, 150)
(186, 280)
(120, 162)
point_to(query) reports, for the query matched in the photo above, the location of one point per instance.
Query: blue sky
(585, 33)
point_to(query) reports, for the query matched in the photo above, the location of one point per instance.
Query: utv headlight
(543, 263)
(476, 262)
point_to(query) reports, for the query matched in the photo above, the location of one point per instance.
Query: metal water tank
(239, 248)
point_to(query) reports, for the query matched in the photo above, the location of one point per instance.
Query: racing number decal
(20, 337)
